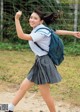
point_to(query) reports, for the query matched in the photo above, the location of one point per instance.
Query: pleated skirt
(44, 71)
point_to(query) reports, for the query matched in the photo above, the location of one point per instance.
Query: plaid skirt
(43, 71)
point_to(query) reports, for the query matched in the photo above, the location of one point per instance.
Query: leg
(26, 84)
(45, 92)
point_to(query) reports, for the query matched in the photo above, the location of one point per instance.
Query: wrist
(16, 18)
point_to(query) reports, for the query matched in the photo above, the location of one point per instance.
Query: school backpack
(56, 47)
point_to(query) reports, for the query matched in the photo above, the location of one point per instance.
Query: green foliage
(16, 46)
(65, 8)
(70, 48)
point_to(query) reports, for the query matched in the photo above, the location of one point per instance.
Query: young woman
(43, 71)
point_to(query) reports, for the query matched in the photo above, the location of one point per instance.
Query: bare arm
(19, 30)
(65, 32)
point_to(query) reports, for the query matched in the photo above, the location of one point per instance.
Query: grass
(69, 88)
(14, 66)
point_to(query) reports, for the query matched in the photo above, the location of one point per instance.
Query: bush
(72, 49)
(69, 49)
(11, 46)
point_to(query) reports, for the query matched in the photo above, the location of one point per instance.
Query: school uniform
(43, 71)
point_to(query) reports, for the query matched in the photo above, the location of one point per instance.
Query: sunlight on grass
(15, 65)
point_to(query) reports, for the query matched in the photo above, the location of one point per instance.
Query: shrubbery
(69, 49)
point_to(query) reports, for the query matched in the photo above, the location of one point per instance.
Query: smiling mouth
(32, 24)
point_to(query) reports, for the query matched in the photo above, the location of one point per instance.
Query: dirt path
(32, 101)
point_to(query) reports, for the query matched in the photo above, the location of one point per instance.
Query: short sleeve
(37, 36)
(40, 34)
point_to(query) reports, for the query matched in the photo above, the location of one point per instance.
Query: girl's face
(35, 20)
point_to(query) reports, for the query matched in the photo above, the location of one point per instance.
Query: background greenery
(9, 39)
(65, 21)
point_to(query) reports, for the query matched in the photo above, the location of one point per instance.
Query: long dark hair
(48, 18)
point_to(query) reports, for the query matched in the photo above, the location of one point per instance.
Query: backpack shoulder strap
(46, 28)
(38, 30)
(40, 47)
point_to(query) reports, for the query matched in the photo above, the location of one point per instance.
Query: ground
(32, 101)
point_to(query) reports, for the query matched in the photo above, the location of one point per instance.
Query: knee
(25, 85)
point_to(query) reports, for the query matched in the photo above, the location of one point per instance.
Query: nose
(31, 20)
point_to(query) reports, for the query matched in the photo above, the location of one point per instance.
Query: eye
(35, 18)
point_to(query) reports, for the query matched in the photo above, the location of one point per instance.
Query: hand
(76, 34)
(18, 14)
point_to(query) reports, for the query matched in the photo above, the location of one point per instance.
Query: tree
(1, 25)
(75, 17)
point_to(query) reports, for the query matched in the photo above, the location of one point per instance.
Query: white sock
(11, 107)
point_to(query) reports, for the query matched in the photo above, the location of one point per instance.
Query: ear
(42, 21)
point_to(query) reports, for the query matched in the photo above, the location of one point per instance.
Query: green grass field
(14, 66)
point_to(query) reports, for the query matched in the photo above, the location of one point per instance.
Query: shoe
(10, 111)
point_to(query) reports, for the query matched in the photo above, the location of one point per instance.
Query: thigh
(26, 84)
(44, 89)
